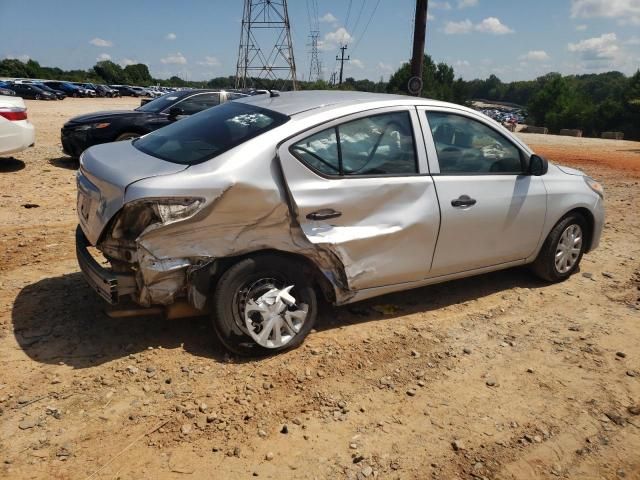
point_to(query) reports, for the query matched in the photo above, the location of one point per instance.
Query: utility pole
(341, 59)
(414, 86)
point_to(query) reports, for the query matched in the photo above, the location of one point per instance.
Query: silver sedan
(256, 209)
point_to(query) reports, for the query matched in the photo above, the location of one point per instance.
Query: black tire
(127, 136)
(544, 265)
(235, 285)
(38, 97)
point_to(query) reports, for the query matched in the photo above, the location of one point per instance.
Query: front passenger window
(467, 146)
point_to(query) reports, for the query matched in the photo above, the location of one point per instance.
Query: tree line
(594, 103)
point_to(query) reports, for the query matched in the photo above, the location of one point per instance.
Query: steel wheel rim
(270, 314)
(569, 248)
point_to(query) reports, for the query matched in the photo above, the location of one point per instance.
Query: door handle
(324, 214)
(463, 201)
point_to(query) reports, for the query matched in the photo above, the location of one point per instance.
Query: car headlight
(594, 185)
(92, 126)
(136, 216)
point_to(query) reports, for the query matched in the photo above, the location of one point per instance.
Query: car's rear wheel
(562, 251)
(127, 136)
(263, 305)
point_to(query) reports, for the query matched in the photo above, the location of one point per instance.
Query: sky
(198, 39)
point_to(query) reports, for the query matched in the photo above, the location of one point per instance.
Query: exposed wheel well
(588, 218)
(320, 282)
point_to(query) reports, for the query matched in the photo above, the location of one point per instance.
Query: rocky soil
(499, 376)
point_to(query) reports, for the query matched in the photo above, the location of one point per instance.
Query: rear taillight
(13, 114)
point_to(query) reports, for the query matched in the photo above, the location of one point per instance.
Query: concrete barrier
(570, 132)
(532, 129)
(613, 135)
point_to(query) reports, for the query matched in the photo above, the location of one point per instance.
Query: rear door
(492, 211)
(360, 189)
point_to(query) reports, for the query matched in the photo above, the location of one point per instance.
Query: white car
(16, 132)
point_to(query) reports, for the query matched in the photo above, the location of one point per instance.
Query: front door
(492, 212)
(360, 189)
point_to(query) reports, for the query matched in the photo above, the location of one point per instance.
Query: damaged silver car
(255, 209)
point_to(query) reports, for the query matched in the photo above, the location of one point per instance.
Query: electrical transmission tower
(315, 67)
(315, 70)
(262, 21)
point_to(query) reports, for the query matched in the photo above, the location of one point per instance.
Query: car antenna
(273, 93)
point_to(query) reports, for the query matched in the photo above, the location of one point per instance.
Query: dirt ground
(499, 376)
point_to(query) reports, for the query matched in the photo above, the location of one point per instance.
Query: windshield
(159, 104)
(209, 133)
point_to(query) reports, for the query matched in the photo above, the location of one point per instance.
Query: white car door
(360, 189)
(492, 211)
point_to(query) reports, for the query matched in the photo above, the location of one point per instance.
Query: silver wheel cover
(273, 319)
(568, 248)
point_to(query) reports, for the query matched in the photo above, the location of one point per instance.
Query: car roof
(292, 103)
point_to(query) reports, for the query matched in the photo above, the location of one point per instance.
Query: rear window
(209, 133)
(159, 104)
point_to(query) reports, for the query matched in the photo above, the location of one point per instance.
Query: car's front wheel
(264, 304)
(562, 251)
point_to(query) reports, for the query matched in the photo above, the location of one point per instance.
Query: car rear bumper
(107, 284)
(16, 136)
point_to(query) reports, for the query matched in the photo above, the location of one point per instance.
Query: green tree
(437, 80)
(138, 74)
(110, 72)
(11, 67)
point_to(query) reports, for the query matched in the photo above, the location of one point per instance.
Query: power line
(366, 27)
(346, 22)
(355, 25)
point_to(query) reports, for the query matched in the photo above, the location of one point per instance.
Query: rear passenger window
(199, 102)
(377, 145)
(320, 152)
(466, 146)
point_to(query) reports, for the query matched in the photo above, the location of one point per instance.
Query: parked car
(81, 132)
(32, 92)
(84, 91)
(104, 91)
(257, 207)
(68, 88)
(16, 132)
(90, 89)
(58, 94)
(4, 89)
(142, 92)
(125, 91)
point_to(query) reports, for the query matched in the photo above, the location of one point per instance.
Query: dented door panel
(388, 225)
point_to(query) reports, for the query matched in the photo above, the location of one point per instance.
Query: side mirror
(175, 112)
(537, 165)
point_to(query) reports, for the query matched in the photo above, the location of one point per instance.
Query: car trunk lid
(105, 173)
